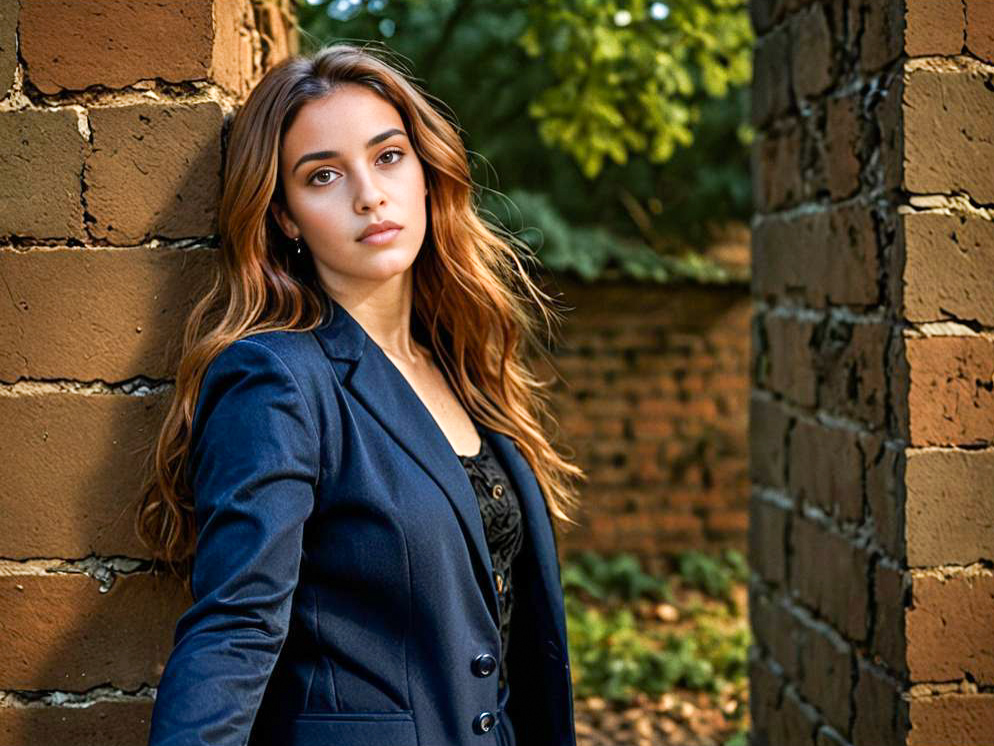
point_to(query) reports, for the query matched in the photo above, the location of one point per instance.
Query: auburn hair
(472, 289)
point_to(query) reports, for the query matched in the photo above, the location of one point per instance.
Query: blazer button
(484, 722)
(499, 578)
(497, 491)
(484, 664)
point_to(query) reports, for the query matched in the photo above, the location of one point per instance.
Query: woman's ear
(284, 220)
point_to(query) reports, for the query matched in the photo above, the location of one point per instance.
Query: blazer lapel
(382, 389)
(538, 526)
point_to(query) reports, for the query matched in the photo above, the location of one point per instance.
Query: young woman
(353, 477)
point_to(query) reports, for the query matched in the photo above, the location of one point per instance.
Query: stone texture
(827, 663)
(41, 160)
(768, 425)
(980, 28)
(882, 40)
(950, 514)
(155, 171)
(85, 503)
(951, 400)
(948, 272)
(933, 28)
(949, 132)
(71, 46)
(830, 574)
(850, 364)
(791, 367)
(891, 599)
(768, 540)
(949, 628)
(844, 144)
(811, 51)
(8, 46)
(881, 712)
(776, 168)
(885, 492)
(826, 469)
(827, 257)
(119, 723)
(119, 313)
(771, 83)
(61, 632)
(796, 722)
(951, 720)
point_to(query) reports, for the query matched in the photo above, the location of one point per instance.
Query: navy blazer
(343, 588)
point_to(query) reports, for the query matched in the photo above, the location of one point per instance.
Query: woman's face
(346, 163)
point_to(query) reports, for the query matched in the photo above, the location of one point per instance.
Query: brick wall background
(111, 117)
(872, 408)
(654, 404)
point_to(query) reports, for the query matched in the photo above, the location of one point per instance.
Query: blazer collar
(381, 388)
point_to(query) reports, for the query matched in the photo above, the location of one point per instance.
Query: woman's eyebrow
(321, 155)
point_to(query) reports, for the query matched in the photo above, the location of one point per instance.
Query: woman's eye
(314, 178)
(398, 153)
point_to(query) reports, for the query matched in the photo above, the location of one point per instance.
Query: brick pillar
(872, 409)
(111, 117)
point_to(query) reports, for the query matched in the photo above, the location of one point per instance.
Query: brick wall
(654, 403)
(872, 407)
(111, 117)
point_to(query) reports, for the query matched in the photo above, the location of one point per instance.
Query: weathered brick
(844, 144)
(850, 360)
(8, 46)
(765, 685)
(825, 257)
(829, 737)
(84, 505)
(155, 171)
(980, 28)
(933, 28)
(118, 314)
(947, 271)
(776, 168)
(827, 664)
(885, 492)
(949, 627)
(768, 540)
(826, 469)
(791, 358)
(951, 720)
(796, 722)
(890, 592)
(117, 723)
(72, 637)
(951, 401)
(771, 80)
(831, 575)
(949, 131)
(41, 159)
(72, 46)
(811, 51)
(768, 425)
(777, 630)
(882, 39)
(949, 508)
(881, 712)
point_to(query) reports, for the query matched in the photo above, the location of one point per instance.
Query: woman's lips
(382, 237)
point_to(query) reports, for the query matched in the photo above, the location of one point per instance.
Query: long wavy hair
(472, 289)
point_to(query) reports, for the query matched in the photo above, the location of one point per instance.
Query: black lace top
(501, 513)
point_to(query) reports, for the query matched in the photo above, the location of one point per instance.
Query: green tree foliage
(616, 127)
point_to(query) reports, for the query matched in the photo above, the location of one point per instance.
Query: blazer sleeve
(253, 468)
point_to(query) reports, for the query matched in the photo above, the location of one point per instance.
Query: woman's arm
(253, 467)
